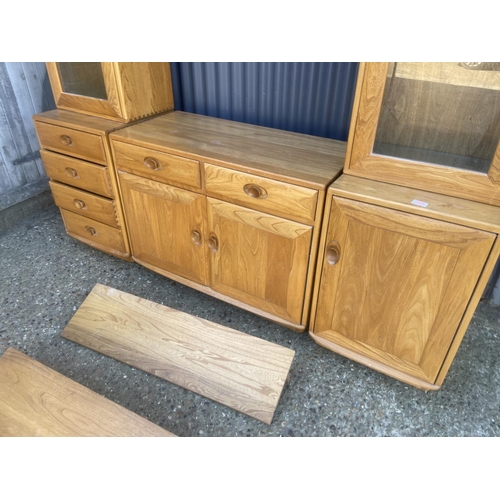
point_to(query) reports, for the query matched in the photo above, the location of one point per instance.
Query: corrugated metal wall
(311, 98)
(24, 91)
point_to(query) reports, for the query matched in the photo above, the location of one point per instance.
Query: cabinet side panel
(145, 88)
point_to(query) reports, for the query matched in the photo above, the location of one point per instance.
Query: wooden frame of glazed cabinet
(231, 209)
(135, 90)
(363, 162)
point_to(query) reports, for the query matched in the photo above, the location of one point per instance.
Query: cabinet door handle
(196, 237)
(333, 252)
(71, 172)
(152, 163)
(213, 242)
(80, 204)
(255, 191)
(66, 140)
(91, 230)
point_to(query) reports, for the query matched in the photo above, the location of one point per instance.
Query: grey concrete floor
(45, 275)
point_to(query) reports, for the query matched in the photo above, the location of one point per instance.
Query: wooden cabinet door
(86, 87)
(166, 226)
(394, 286)
(259, 259)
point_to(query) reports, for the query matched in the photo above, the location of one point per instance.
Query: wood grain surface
(232, 368)
(77, 173)
(134, 90)
(278, 198)
(260, 259)
(166, 226)
(400, 285)
(94, 233)
(37, 401)
(84, 203)
(285, 156)
(436, 206)
(363, 161)
(66, 140)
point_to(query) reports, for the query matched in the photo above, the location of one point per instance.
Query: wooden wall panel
(24, 91)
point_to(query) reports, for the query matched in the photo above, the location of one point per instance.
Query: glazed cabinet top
(120, 91)
(431, 126)
(187, 149)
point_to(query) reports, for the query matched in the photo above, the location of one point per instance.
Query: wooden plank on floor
(38, 401)
(235, 369)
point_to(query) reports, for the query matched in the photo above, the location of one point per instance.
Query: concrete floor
(45, 276)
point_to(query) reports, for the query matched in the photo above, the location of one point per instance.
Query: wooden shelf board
(37, 401)
(235, 369)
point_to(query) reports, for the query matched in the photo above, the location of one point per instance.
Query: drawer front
(72, 142)
(77, 173)
(94, 233)
(268, 195)
(87, 204)
(157, 166)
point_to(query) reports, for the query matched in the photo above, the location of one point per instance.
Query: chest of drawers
(77, 158)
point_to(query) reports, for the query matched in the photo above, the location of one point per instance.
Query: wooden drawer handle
(255, 191)
(91, 230)
(152, 163)
(196, 237)
(71, 172)
(333, 252)
(66, 140)
(213, 243)
(80, 204)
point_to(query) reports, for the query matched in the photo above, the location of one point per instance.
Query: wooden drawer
(72, 142)
(77, 173)
(96, 234)
(268, 195)
(87, 204)
(156, 165)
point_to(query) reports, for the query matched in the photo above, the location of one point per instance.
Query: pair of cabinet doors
(255, 258)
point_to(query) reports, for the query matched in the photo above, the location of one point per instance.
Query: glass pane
(83, 78)
(441, 113)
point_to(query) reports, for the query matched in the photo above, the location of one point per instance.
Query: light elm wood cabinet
(77, 158)
(119, 91)
(431, 126)
(400, 273)
(231, 209)
(410, 233)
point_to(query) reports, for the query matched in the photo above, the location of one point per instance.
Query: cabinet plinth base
(207, 290)
(374, 365)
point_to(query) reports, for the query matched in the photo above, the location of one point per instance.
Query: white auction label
(419, 203)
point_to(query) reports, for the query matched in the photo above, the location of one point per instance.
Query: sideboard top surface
(312, 161)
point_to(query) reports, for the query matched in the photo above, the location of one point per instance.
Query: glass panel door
(441, 113)
(83, 78)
